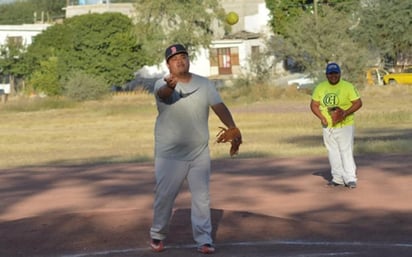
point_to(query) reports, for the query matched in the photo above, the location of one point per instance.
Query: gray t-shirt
(182, 130)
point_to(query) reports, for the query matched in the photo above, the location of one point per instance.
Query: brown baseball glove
(231, 135)
(337, 115)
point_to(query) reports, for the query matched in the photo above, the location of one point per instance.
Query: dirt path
(260, 207)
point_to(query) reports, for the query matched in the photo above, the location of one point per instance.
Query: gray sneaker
(334, 184)
(351, 184)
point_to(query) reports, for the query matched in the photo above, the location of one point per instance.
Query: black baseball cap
(173, 50)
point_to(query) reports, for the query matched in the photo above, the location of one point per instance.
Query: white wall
(259, 21)
(253, 15)
(201, 65)
(26, 31)
(124, 8)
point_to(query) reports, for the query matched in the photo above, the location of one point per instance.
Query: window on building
(15, 41)
(224, 59)
(255, 52)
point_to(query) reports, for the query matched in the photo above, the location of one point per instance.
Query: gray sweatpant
(170, 175)
(339, 143)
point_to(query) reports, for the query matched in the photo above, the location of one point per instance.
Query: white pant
(339, 143)
(170, 175)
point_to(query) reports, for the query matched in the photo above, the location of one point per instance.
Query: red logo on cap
(174, 49)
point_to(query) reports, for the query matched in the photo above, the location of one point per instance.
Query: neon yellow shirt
(339, 95)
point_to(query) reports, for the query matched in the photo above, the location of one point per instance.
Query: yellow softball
(232, 18)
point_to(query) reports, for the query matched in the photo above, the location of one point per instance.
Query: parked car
(374, 76)
(306, 82)
(140, 83)
(404, 78)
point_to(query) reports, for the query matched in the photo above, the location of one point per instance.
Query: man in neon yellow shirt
(338, 138)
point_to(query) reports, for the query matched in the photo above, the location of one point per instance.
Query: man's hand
(171, 81)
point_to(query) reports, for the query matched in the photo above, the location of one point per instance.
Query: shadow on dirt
(56, 210)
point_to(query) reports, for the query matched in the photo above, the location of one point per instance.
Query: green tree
(385, 26)
(160, 23)
(51, 9)
(11, 66)
(314, 41)
(102, 45)
(16, 13)
(31, 11)
(284, 12)
(10, 55)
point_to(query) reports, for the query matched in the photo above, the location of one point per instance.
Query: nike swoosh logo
(183, 95)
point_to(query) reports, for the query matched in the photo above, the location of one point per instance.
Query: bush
(83, 87)
(45, 79)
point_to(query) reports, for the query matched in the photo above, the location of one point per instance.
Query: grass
(274, 123)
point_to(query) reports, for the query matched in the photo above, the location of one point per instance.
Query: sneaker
(351, 184)
(157, 245)
(206, 249)
(334, 184)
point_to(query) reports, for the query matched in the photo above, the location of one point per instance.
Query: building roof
(242, 35)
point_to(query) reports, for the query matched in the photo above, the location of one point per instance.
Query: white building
(21, 34)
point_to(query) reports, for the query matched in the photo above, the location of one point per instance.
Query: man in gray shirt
(181, 146)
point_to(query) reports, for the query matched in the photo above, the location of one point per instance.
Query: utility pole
(315, 9)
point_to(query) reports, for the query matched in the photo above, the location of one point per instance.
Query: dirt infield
(260, 207)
